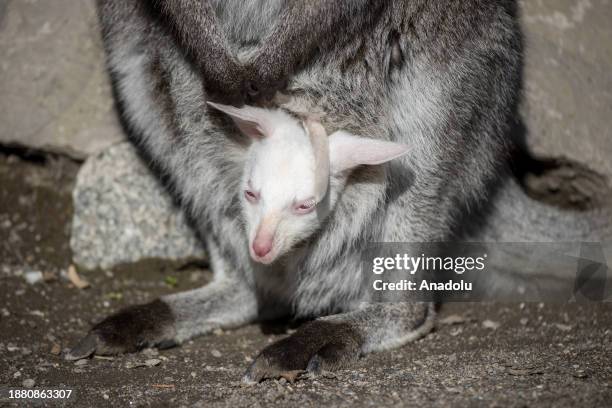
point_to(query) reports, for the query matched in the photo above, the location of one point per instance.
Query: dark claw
(84, 349)
(166, 344)
(259, 371)
(252, 89)
(314, 366)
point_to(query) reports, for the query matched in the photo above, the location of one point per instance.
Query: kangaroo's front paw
(225, 82)
(263, 82)
(127, 331)
(316, 347)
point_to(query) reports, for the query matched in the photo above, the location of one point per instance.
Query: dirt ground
(479, 355)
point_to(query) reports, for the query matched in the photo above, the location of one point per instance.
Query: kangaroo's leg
(333, 342)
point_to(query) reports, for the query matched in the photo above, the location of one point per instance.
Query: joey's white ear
(347, 151)
(320, 146)
(252, 121)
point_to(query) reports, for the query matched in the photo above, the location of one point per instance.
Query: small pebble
(456, 331)
(28, 383)
(150, 352)
(152, 362)
(80, 362)
(33, 277)
(215, 353)
(490, 324)
(580, 374)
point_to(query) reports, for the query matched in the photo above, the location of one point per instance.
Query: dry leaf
(76, 279)
(452, 319)
(49, 276)
(162, 385)
(56, 349)
(291, 375)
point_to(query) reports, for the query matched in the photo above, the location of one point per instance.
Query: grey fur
(440, 75)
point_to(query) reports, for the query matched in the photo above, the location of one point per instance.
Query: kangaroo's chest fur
(247, 22)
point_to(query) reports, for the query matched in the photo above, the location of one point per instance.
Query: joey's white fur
(294, 174)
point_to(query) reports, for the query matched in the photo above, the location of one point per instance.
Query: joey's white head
(294, 174)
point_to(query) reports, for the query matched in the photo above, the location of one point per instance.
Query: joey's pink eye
(305, 206)
(251, 196)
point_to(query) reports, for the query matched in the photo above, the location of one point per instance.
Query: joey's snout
(262, 247)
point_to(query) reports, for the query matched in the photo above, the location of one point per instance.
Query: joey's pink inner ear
(348, 151)
(251, 121)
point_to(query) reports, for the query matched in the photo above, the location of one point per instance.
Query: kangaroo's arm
(198, 31)
(170, 320)
(303, 27)
(226, 302)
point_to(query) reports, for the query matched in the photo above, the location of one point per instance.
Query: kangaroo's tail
(542, 252)
(579, 208)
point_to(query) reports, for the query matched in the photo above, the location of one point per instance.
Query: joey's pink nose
(262, 248)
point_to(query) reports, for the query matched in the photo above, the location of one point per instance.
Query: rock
(123, 214)
(28, 383)
(215, 353)
(568, 87)
(56, 92)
